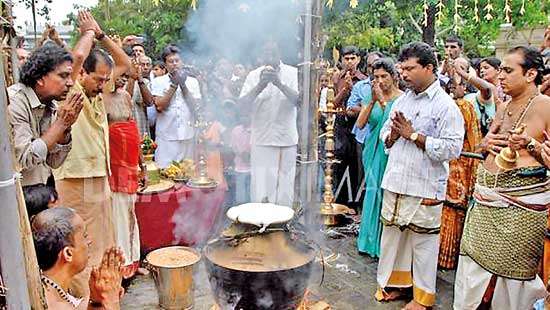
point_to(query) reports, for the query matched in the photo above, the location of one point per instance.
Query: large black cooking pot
(265, 271)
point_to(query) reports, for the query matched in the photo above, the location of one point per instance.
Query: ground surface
(349, 284)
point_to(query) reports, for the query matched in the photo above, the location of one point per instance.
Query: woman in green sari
(374, 114)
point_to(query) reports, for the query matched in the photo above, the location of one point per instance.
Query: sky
(58, 11)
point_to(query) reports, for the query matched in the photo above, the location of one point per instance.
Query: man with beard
(345, 142)
(41, 129)
(424, 132)
(271, 93)
(503, 237)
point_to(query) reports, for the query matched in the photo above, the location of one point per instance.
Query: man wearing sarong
(271, 93)
(461, 172)
(424, 132)
(503, 237)
(124, 146)
(82, 180)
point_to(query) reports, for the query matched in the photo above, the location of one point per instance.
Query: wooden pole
(33, 8)
(19, 266)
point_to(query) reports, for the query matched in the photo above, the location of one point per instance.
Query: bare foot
(382, 295)
(142, 271)
(413, 305)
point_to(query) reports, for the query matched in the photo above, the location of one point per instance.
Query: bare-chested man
(503, 236)
(125, 158)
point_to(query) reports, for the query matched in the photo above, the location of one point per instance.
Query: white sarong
(472, 280)
(126, 226)
(273, 170)
(409, 258)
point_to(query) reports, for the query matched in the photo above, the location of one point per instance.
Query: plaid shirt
(410, 170)
(139, 110)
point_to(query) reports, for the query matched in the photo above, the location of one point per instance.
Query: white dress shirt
(410, 170)
(174, 123)
(274, 116)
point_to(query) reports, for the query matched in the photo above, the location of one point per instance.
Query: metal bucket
(174, 279)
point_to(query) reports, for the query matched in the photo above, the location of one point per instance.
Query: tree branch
(443, 31)
(415, 24)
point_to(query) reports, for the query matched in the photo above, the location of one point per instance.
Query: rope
(9, 182)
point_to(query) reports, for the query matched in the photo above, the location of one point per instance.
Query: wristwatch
(532, 145)
(100, 36)
(414, 136)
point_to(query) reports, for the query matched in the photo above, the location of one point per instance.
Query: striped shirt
(410, 170)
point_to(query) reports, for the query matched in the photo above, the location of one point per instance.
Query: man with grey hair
(61, 243)
(138, 87)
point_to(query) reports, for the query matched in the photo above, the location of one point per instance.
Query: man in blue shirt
(361, 93)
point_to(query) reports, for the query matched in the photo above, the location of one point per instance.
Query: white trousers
(273, 170)
(168, 151)
(472, 280)
(126, 226)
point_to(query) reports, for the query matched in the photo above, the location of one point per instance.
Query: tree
(401, 21)
(160, 22)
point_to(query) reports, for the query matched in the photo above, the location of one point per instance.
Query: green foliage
(480, 37)
(371, 25)
(387, 25)
(160, 23)
(41, 7)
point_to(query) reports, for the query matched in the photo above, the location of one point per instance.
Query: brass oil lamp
(329, 210)
(201, 180)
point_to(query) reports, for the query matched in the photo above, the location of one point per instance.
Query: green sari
(374, 163)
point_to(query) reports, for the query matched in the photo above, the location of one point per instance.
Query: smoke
(236, 29)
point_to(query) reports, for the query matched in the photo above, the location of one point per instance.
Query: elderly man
(271, 93)
(138, 86)
(82, 180)
(22, 56)
(42, 130)
(424, 132)
(503, 237)
(175, 96)
(61, 244)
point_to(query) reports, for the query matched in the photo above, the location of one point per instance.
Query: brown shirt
(343, 93)
(29, 119)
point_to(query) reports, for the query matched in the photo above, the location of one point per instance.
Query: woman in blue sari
(374, 114)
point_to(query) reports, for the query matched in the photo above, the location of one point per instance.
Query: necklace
(523, 112)
(64, 295)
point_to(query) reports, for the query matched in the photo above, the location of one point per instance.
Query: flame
(312, 302)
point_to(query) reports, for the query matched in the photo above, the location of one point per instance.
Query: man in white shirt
(424, 132)
(175, 95)
(271, 91)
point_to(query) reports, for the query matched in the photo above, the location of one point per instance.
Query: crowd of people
(78, 117)
(426, 132)
(420, 135)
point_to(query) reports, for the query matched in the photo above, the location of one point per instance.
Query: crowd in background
(79, 115)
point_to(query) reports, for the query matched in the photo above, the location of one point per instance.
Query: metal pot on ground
(249, 269)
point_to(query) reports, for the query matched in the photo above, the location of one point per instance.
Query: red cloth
(180, 216)
(124, 152)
